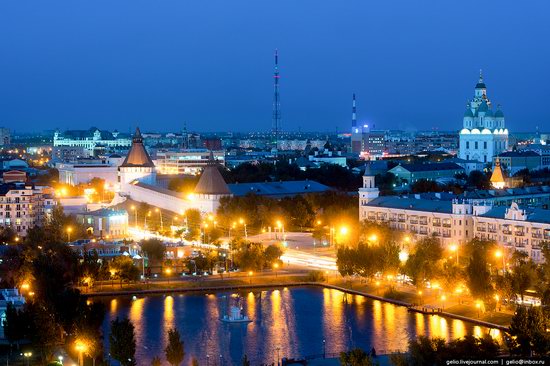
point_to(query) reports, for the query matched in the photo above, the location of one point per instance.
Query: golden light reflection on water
(136, 316)
(113, 306)
(459, 329)
(295, 321)
(168, 315)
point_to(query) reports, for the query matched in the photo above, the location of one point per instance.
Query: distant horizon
(210, 65)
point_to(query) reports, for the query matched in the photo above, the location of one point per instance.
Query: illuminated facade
(483, 134)
(457, 221)
(105, 223)
(188, 161)
(91, 140)
(23, 207)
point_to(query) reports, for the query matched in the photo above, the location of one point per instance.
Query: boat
(235, 316)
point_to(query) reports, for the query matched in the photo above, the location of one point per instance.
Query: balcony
(423, 222)
(520, 233)
(536, 235)
(481, 229)
(435, 223)
(414, 221)
(446, 224)
(507, 232)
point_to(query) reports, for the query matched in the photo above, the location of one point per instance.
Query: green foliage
(477, 271)
(425, 263)
(183, 184)
(124, 269)
(194, 219)
(479, 180)
(316, 276)
(272, 254)
(528, 332)
(174, 350)
(154, 249)
(123, 342)
(249, 256)
(355, 357)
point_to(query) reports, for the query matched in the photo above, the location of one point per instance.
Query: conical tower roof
(497, 176)
(138, 156)
(211, 180)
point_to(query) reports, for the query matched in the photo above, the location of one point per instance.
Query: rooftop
(430, 167)
(278, 189)
(138, 156)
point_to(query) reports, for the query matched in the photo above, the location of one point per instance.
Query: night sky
(413, 64)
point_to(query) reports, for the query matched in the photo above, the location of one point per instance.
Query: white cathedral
(483, 134)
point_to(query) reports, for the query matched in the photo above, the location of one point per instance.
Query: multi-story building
(188, 161)
(412, 173)
(514, 161)
(483, 134)
(23, 207)
(105, 223)
(457, 221)
(92, 140)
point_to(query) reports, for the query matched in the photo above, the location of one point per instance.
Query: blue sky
(412, 64)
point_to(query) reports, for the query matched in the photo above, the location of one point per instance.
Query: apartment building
(459, 220)
(23, 207)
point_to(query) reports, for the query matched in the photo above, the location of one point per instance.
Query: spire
(211, 181)
(276, 122)
(138, 156)
(480, 76)
(353, 112)
(497, 178)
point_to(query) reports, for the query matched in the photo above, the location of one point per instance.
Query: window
(467, 144)
(484, 144)
(476, 145)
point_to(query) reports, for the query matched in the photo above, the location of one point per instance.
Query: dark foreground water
(295, 320)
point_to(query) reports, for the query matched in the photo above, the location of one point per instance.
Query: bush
(316, 276)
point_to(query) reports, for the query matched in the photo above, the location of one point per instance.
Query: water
(294, 320)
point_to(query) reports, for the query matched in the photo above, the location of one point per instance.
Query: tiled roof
(430, 167)
(138, 156)
(412, 204)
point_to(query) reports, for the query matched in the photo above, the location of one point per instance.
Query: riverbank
(462, 310)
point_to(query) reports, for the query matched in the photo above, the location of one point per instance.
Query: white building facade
(484, 134)
(458, 221)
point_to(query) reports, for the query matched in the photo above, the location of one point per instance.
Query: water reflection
(295, 321)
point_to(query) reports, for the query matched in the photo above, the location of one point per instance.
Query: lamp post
(69, 231)
(60, 358)
(498, 255)
(160, 216)
(324, 348)
(168, 272)
(135, 215)
(27, 356)
(81, 348)
(275, 267)
(278, 358)
(250, 273)
(454, 248)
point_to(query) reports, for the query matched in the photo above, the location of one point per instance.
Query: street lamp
(443, 298)
(250, 273)
(499, 254)
(454, 248)
(478, 306)
(27, 355)
(168, 272)
(81, 348)
(160, 215)
(69, 231)
(275, 267)
(135, 214)
(60, 358)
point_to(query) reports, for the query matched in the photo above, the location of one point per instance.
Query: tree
(194, 362)
(123, 342)
(124, 269)
(273, 254)
(174, 350)
(16, 324)
(424, 185)
(528, 331)
(524, 274)
(479, 180)
(424, 264)
(355, 357)
(246, 362)
(194, 220)
(154, 249)
(477, 273)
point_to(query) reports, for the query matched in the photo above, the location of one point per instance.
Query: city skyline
(211, 65)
